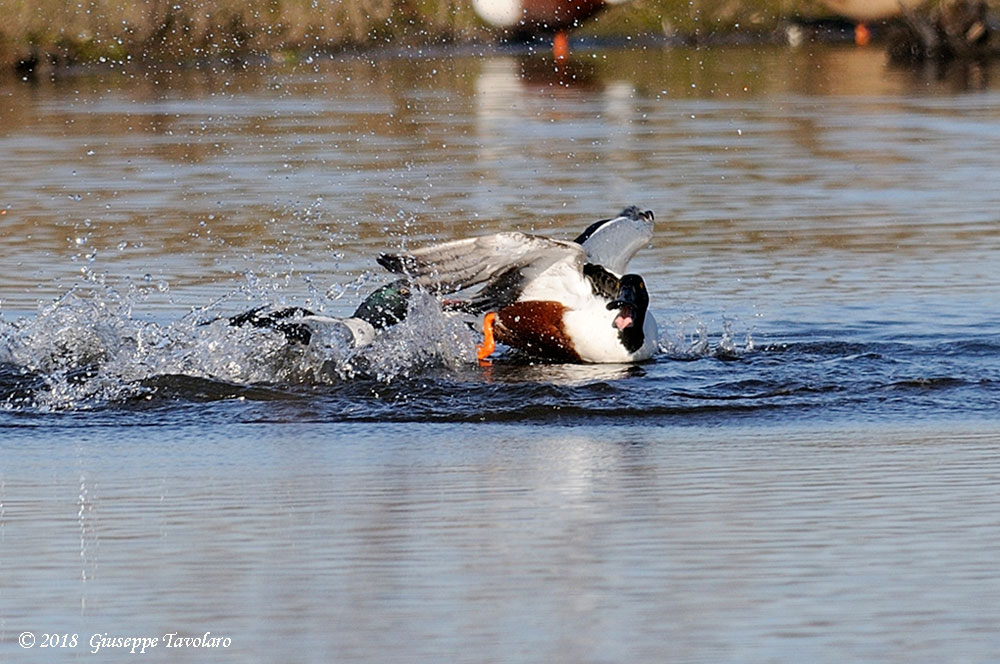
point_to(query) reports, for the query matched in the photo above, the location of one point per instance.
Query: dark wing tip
(633, 212)
(397, 263)
(277, 320)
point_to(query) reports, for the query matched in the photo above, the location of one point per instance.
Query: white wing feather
(453, 266)
(615, 242)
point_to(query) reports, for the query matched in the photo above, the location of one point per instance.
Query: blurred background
(36, 36)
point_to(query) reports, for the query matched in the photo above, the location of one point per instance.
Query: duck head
(386, 306)
(632, 302)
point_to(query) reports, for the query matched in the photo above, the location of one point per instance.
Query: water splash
(690, 338)
(87, 348)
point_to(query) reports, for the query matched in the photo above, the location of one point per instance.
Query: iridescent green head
(386, 306)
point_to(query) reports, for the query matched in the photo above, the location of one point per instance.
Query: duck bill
(626, 316)
(626, 310)
(631, 303)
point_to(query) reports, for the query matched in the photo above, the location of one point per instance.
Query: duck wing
(613, 242)
(506, 262)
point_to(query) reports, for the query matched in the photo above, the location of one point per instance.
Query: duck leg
(486, 348)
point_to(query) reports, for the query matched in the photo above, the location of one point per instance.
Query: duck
(557, 300)
(865, 12)
(555, 17)
(870, 10)
(383, 308)
(551, 299)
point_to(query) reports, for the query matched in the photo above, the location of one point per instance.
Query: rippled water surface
(807, 471)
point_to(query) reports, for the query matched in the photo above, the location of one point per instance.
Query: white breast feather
(595, 336)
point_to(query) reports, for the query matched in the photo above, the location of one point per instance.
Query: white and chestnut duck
(552, 299)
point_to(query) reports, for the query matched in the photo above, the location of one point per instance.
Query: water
(808, 468)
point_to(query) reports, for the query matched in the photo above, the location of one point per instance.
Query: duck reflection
(534, 115)
(558, 374)
(544, 74)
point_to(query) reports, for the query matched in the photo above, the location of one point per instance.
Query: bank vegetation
(38, 36)
(46, 34)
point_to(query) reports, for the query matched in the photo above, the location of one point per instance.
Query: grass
(41, 34)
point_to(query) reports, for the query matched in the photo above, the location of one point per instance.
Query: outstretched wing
(612, 243)
(505, 261)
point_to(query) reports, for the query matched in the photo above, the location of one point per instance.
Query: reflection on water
(584, 545)
(808, 470)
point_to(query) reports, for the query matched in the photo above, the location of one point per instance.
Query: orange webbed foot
(486, 348)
